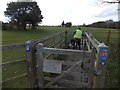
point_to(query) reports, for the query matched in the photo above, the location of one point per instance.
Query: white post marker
(28, 46)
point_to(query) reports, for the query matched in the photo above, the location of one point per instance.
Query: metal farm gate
(55, 66)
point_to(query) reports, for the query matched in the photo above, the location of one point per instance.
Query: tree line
(105, 24)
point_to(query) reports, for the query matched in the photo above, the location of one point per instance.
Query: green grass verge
(111, 80)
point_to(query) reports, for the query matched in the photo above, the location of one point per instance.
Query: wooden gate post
(61, 39)
(40, 66)
(100, 69)
(31, 63)
(108, 37)
(66, 38)
(91, 80)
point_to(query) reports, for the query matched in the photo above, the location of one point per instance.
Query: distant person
(63, 24)
(77, 38)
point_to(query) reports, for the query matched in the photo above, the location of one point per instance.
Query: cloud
(76, 11)
(108, 12)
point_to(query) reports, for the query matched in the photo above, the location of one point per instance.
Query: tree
(22, 13)
(107, 1)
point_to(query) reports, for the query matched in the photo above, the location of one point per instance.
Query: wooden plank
(47, 55)
(52, 66)
(66, 38)
(92, 41)
(60, 44)
(64, 51)
(55, 43)
(79, 73)
(76, 76)
(63, 74)
(67, 83)
(85, 79)
(40, 66)
(91, 68)
(44, 39)
(55, 47)
(16, 77)
(71, 84)
(55, 66)
(60, 40)
(56, 86)
(97, 31)
(68, 62)
(50, 45)
(62, 62)
(86, 65)
(48, 37)
(108, 36)
(30, 61)
(88, 46)
(13, 46)
(6, 64)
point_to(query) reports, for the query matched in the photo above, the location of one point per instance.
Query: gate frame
(37, 81)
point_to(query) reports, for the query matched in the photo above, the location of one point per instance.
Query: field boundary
(42, 40)
(23, 60)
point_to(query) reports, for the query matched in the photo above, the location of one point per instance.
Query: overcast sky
(75, 11)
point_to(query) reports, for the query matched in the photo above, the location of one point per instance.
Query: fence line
(16, 77)
(98, 62)
(16, 46)
(108, 36)
(31, 58)
(6, 64)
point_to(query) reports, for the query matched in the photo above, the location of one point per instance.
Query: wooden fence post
(60, 39)
(91, 80)
(53, 41)
(31, 63)
(100, 69)
(108, 37)
(40, 66)
(66, 38)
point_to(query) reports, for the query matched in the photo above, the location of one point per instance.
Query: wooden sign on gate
(52, 66)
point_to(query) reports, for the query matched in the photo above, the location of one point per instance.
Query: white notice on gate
(52, 66)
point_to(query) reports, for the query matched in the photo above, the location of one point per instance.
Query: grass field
(16, 37)
(20, 36)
